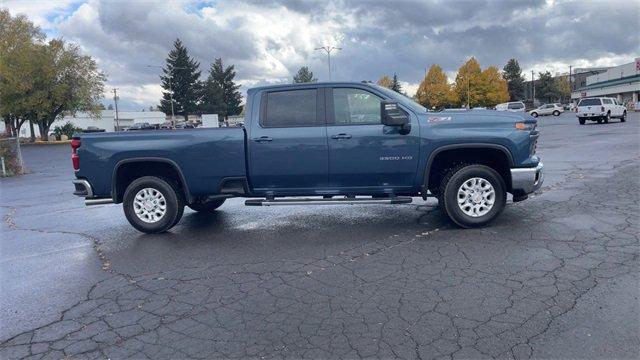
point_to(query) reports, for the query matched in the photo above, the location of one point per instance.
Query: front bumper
(527, 180)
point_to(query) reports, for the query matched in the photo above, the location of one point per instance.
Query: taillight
(602, 108)
(75, 159)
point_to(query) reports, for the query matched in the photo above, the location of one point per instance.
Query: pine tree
(546, 88)
(395, 84)
(181, 76)
(221, 95)
(515, 82)
(304, 75)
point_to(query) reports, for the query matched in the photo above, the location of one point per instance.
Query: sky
(269, 40)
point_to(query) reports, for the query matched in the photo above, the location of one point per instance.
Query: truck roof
(313, 84)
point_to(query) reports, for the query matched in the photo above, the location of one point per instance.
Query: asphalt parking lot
(555, 276)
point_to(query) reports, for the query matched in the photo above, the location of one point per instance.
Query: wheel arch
(127, 170)
(456, 151)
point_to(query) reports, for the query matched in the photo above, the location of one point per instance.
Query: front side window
(515, 106)
(291, 108)
(355, 107)
(606, 101)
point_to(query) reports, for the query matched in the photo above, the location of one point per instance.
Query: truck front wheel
(472, 195)
(152, 204)
(208, 206)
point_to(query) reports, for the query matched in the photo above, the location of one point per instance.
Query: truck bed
(203, 156)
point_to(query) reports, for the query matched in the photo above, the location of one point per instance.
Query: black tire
(607, 118)
(173, 201)
(600, 121)
(534, 114)
(556, 113)
(581, 121)
(624, 117)
(448, 194)
(208, 206)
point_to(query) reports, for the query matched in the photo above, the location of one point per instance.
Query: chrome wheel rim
(149, 205)
(476, 197)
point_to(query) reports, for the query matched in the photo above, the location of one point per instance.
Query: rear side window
(355, 107)
(606, 101)
(291, 108)
(515, 106)
(589, 102)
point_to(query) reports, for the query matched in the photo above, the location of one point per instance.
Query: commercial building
(621, 82)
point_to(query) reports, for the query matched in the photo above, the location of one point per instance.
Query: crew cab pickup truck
(320, 143)
(600, 109)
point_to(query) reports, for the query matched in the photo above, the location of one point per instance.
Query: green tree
(304, 75)
(20, 41)
(546, 88)
(385, 81)
(469, 83)
(515, 82)
(434, 90)
(68, 82)
(395, 84)
(222, 95)
(182, 77)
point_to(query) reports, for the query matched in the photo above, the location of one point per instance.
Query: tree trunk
(7, 127)
(44, 132)
(33, 134)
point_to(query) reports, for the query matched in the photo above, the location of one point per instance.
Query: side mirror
(393, 115)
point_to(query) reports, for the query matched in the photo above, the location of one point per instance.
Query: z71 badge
(433, 119)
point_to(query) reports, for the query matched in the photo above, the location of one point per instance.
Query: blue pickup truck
(317, 143)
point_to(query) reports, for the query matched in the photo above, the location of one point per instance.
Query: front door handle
(262, 139)
(341, 136)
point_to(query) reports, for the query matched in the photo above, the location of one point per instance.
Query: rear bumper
(590, 115)
(527, 180)
(83, 188)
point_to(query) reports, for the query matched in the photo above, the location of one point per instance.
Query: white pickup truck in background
(600, 109)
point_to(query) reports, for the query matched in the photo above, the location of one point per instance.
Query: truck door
(363, 153)
(287, 145)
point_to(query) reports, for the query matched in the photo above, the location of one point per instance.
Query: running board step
(340, 201)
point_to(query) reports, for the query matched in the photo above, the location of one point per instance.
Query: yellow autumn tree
(385, 81)
(469, 84)
(434, 90)
(494, 86)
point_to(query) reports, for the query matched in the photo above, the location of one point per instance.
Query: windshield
(402, 99)
(589, 102)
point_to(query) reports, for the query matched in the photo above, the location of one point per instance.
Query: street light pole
(533, 86)
(115, 99)
(328, 50)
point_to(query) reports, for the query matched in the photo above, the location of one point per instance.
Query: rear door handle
(341, 136)
(262, 139)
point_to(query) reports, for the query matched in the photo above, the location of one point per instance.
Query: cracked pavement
(555, 276)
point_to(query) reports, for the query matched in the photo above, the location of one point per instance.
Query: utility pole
(468, 93)
(115, 99)
(328, 50)
(570, 83)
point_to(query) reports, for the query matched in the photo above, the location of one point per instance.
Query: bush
(67, 129)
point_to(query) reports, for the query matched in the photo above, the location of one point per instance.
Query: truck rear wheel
(208, 206)
(152, 204)
(472, 195)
